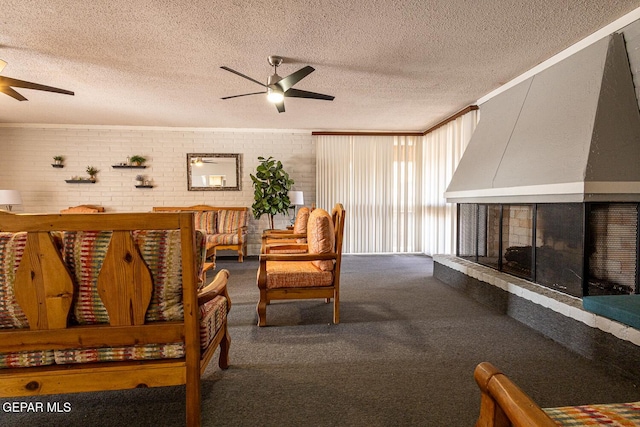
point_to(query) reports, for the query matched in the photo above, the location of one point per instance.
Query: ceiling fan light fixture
(275, 96)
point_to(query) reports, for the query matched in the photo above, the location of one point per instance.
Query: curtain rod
(431, 129)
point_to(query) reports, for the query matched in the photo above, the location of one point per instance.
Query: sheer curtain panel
(392, 187)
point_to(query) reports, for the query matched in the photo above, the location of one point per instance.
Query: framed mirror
(214, 172)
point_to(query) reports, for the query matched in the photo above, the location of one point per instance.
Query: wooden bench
(149, 322)
(225, 227)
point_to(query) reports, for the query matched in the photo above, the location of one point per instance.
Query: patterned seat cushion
(295, 274)
(11, 315)
(223, 239)
(614, 414)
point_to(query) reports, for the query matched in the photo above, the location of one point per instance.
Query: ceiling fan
(6, 84)
(278, 88)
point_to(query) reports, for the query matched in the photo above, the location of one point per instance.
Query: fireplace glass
(517, 239)
(559, 242)
(467, 231)
(489, 236)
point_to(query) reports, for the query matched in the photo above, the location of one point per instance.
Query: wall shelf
(144, 186)
(128, 166)
(79, 181)
(57, 165)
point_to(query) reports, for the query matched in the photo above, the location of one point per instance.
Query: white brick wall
(26, 154)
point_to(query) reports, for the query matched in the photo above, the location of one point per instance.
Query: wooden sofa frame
(241, 247)
(44, 290)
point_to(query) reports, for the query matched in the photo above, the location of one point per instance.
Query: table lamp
(10, 198)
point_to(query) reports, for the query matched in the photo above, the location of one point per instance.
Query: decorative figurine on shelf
(92, 171)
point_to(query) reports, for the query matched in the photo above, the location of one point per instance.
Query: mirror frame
(238, 158)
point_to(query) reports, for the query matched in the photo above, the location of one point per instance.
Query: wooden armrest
(272, 232)
(298, 257)
(284, 236)
(218, 286)
(503, 403)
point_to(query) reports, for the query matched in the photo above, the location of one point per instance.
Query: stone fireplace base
(556, 315)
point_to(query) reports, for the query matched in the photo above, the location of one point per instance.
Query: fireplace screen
(552, 244)
(613, 253)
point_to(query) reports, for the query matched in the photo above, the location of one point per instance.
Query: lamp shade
(10, 197)
(296, 198)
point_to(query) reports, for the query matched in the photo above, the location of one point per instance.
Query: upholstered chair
(313, 274)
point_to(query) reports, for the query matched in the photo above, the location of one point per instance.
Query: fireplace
(576, 248)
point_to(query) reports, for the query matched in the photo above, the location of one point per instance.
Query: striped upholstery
(213, 314)
(223, 239)
(230, 220)
(206, 221)
(11, 315)
(614, 414)
(84, 253)
(296, 274)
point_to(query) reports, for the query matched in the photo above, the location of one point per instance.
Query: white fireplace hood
(568, 134)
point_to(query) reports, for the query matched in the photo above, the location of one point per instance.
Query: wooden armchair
(285, 237)
(504, 404)
(312, 274)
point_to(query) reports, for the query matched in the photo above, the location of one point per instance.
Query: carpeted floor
(403, 355)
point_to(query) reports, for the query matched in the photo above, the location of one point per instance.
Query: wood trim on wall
(431, 129)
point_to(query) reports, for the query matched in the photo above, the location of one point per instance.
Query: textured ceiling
(391, 65)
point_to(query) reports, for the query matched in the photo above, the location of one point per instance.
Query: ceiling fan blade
(280, 106)
(244, 94)
(12, 93)
(287, 83)
(2, 64)
(296, 93)
(242, 75)
(7, 81)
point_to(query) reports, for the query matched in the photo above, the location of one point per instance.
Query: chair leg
(262, 309)
(223, 360)
(336, 309)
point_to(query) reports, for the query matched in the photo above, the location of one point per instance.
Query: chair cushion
(302, 218)
(117, 354)
(613, 414)
(84, 253)
(296, 274)
(213, 315)
(230, 220)
(223, 239)
(206, 221)
(321, 237)
(11, 315)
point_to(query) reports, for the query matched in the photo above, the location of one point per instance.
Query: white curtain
(392, 187)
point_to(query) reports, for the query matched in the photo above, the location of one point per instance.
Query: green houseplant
(92, 172)
(271, 185)
(137, 160)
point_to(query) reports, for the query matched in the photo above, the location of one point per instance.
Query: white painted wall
(26, 154)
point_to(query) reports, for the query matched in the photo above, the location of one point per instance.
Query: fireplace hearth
(579, 249)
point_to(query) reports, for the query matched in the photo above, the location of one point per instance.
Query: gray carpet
(403, 355)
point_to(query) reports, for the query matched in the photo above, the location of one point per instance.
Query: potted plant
(57, 160)
(271, 184)
(137, 160)
(139, 179)
(92, 171)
